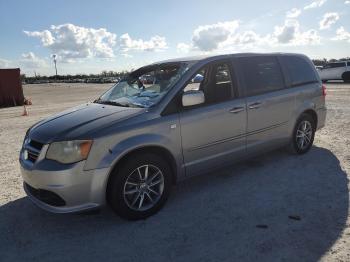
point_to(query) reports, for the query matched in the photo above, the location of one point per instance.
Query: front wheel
(140, 187)
(303, 134)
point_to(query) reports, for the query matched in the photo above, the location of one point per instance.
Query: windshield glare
(145, 86)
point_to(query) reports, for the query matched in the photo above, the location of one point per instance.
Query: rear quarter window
(299, 70)
(262, 74)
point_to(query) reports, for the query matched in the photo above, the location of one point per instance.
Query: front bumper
(78, 188)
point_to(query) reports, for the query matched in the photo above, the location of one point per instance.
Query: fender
(301, 108)
(117, 151)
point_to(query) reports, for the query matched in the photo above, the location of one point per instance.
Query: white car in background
(335, 71)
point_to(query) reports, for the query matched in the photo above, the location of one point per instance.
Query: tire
(130, 190)
(296, 145)
(346, 77)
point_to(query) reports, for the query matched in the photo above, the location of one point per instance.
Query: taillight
(324, 90)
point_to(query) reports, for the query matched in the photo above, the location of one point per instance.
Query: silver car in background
(166, 122)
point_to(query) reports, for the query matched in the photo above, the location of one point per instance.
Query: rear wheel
(346, 77)
(140, 187)
(303, 134)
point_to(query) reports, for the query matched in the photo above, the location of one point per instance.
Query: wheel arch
(313, 114)
(155, 149)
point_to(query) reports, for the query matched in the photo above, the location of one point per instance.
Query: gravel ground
(276, 207)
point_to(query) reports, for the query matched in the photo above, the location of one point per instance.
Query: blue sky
(91, 36)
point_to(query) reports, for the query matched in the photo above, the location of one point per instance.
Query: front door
(213, 133)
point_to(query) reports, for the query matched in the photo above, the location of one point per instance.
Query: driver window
(215, 82)
(219, 88)
(197, 81)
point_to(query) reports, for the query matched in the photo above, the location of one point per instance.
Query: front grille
(33, 148)
(35, 144)
(32, 157)
(46, 196)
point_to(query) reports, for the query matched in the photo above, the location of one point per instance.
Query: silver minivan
(166, 122)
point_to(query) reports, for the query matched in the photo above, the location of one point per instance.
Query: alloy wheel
(304, 134)
(143, 188)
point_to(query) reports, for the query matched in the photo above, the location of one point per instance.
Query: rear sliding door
(269, 102)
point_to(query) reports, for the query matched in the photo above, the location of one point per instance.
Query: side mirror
(193, 97)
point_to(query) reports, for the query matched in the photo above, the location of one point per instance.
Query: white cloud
(342, 34)
(328, 20)
(45, 36)
(293, 13)
(126, 55)
(315, 4)
(31, 61)
(209, 37)
(290, 33)
(287, 32)
(71, 42)
(309, 37)
(247, 38)
(347, 2)
(156, 43)
(183, 47)
(4, 63)
(27, 63)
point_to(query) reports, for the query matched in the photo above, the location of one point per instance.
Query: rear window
(262, 74)
(300, 71)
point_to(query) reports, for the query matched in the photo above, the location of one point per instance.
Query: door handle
(236, 110)
(255, 105)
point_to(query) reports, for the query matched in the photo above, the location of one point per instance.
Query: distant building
(11, 92)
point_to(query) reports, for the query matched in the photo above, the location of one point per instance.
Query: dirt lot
(208, 218)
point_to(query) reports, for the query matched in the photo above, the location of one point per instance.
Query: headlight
(68, 152)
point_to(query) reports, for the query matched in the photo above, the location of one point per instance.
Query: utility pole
(55, 61)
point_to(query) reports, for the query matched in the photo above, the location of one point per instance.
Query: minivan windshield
(145, 86)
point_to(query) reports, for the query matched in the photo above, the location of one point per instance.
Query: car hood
(78, 122)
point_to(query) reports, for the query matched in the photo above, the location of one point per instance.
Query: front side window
(145, 86)
(197, 81)
(219, 88)
(214, 81)
(261, 74)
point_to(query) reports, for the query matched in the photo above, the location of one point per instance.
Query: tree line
(324, 61)
(114, 74)
(83, 77)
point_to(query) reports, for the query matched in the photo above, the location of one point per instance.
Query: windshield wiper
(114, 103)
(107, 102)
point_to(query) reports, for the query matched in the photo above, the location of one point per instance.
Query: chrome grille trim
(33, 149)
